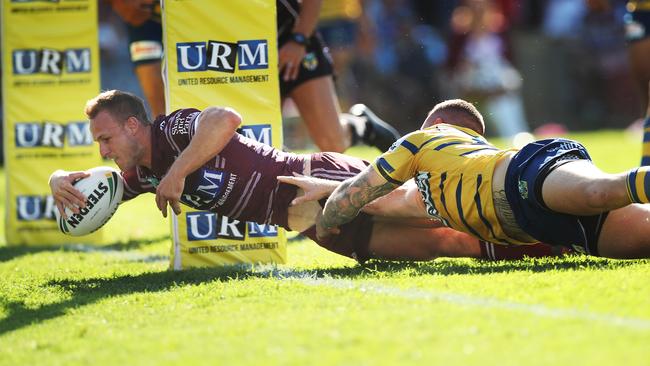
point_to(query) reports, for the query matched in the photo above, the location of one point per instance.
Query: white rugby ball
(103, 190)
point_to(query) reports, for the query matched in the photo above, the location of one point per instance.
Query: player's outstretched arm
(215, 127)
(314, 188)
(64, 193)
(404, 202)
(347, 200)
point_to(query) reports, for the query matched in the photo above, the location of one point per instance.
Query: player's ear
(132, 124)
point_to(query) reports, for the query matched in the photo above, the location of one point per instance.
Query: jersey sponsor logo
(146, 50)
(209, 186)
(204, 225)
(256, 230)
(222, 56)
(32, 208)
(50, 134)
(422, 181)
(259, 133)
(179, 123)
(50, 61)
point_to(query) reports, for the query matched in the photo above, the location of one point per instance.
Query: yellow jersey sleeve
(398, 164)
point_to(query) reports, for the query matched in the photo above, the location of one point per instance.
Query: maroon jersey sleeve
(178, 128)
(135, 184)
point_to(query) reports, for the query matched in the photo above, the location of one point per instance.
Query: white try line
(311, 279)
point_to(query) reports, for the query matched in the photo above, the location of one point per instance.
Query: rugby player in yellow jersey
(548, 191)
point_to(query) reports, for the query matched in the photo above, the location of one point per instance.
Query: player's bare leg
(319, 109)
(580, 188)
(397, 241)
(151, 82)
(626, 233)
(639, 51)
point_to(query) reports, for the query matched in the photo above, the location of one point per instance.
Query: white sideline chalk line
(310, 278)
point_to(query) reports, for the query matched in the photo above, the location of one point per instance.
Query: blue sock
(638, 184)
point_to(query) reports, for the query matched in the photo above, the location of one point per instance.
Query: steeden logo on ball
(103, 190)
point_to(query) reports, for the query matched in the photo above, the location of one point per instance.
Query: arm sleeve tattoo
(347, 200)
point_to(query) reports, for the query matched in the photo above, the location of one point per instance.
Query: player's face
(116, 141)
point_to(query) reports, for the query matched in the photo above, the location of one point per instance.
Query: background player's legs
(319, 109)
(150, 77)
(639, 52)
(626, 233)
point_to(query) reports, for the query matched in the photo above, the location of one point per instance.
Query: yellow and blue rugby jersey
(453, 168)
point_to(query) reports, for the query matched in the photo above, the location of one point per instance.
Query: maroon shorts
(352, 241)
(354, 238)
(335, 166)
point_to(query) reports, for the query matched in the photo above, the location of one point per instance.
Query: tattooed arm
(346, 201)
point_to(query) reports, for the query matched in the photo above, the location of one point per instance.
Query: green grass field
(120, 305)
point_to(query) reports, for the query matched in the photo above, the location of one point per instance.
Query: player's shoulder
(179, 116)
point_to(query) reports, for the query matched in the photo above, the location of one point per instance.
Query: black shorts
(523, 185)
(316, 63)
(145, 42)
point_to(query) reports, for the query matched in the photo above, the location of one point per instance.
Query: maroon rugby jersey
(240, 182)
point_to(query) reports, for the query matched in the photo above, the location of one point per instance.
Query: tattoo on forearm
(346, 202)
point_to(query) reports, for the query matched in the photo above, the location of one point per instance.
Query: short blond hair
(119, 104)
(461, 113)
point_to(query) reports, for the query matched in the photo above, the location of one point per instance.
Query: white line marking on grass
(311, 278)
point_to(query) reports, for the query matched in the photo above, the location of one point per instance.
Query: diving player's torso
(501, 206)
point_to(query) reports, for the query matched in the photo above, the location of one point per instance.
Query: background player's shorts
(338, 32)
(145, 42)
(523, 186)
(637, 25)
(316, 63)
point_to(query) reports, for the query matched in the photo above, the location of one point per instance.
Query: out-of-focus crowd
(526, 63)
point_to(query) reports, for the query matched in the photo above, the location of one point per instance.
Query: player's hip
(522, 186)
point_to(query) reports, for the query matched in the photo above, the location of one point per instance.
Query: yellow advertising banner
(50, 68)
(229, 61)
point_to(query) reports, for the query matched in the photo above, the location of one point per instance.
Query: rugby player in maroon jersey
(197, 158)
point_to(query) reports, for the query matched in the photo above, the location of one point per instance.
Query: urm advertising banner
(224, 53)
(50, 64)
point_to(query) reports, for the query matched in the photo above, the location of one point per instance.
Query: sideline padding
(50, 69)
(225, 54)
